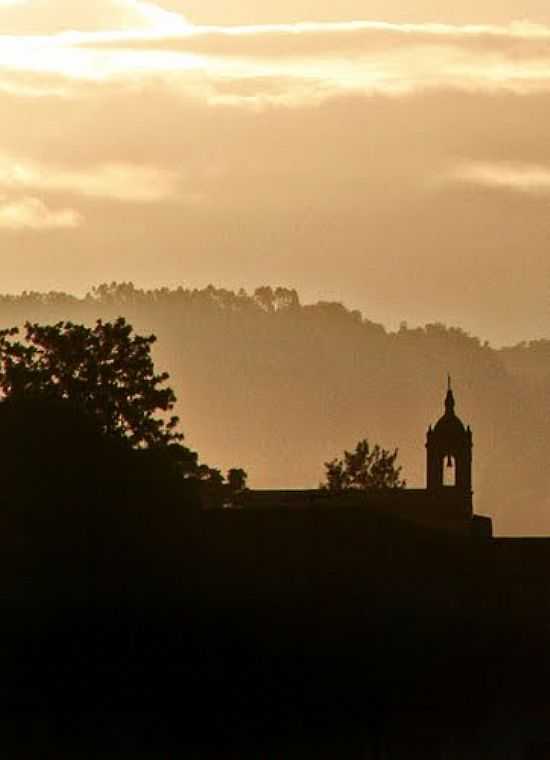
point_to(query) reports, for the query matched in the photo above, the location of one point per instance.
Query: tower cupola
(449, 444)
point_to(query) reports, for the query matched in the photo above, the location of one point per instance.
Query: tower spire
(450, 399)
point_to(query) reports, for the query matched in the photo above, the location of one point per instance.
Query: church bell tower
(449, 448)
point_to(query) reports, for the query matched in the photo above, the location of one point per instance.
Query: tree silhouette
(106, 369)
(363, 468)
(236, 480)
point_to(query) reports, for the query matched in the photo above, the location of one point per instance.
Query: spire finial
(450, 399)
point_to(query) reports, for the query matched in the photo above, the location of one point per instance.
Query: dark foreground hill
(327, 635)
(279, 387)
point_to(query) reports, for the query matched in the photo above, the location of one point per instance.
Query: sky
(391, 156)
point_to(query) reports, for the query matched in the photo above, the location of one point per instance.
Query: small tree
(363, 468)
(236, 480)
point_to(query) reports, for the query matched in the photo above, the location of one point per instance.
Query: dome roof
(449, 425)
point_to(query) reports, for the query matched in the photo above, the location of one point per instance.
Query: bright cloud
(315, 60)
(360, 37)
(43, 40)
(43, 17)
(521, 177)
(33, 214)
(114, 181)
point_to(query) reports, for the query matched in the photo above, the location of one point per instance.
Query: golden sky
(397, 160)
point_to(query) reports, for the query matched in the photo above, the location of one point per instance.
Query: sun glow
(73, 41)
(71, 55)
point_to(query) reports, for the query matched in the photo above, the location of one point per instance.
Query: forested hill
(278, 387)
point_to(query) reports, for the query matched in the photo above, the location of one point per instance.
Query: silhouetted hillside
(279, 387)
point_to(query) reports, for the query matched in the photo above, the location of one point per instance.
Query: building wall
(446, 509)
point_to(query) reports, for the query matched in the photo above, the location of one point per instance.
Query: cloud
(114, 181)
(285, 11)
(364, 56)
(525, 178)
(353, 37)
(306, 61)
(31, 85)
(32, 214)
(44, 17)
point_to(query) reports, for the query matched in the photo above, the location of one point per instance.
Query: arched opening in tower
(449, 472)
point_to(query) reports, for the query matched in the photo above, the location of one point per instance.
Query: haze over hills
(279, 387)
